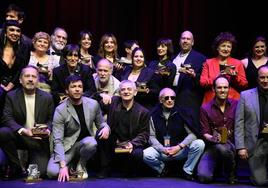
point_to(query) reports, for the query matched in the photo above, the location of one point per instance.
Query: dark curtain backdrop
(148, 20)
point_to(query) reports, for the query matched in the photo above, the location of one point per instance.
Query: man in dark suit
(25, 108)
(71, 67)
(251, 127)
(189, 66)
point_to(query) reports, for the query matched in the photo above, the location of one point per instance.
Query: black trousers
(38, 150)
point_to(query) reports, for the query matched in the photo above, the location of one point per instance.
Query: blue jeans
(155, 159)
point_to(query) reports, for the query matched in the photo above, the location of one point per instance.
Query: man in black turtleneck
(251, 129)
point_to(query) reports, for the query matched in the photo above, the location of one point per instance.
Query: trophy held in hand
(228, 69)
(40, 130)
(163, 71)
(142, 87)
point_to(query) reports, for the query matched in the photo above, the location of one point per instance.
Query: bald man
(173, 136)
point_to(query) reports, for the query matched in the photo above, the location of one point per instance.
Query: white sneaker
(81, 169)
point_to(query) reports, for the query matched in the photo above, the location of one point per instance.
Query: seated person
(71, 67)
(217, 125)
(129, 122)
(172, 136)
(73, 135)
(26, 107)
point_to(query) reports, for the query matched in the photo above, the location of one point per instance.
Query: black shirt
(80, 113)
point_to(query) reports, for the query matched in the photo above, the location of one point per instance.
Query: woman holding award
(224, 64)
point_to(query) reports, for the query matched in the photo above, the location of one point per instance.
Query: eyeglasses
(169, 97)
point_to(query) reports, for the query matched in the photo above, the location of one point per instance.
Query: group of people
(183, 107)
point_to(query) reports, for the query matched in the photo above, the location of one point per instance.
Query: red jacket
(211, 70)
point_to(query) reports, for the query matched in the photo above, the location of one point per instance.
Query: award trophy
(265, 128)
(121, 147)
(62, 96)
(163, 71)
(186, 66)
(228, 69)
(141, 87)
(33, 174)
(40, 130)
(223, 131)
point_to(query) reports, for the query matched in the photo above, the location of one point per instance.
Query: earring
(5, 39)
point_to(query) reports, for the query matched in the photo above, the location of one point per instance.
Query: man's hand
(104, 133)
(129, 146)
(27, 132)
(243, 154)
(106, 99)
(63, 174)
(173, 150)
(191, 72)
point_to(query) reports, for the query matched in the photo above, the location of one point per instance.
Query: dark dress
(252, 74)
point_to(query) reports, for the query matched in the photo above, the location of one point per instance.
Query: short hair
(29, 66)
(161, 93)
(59, 28)
(69, 49)
(15, 8)
(129, 43)
(72, 78)
(222, 37)
(167, 42)
(108, 62)
(218, 77)
(263, 66)
(133, 85)
(41, 35)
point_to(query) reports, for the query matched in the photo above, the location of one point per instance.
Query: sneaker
(81, 170)
(187, 176)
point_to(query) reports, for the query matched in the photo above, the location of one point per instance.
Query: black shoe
(164, 173)
(232, 180)
(104, 173)
(187, 176)
(12, 173)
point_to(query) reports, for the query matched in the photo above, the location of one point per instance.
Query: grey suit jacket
(66, 125)
(247, 120)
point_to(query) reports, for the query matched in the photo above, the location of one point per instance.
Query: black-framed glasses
(169, 97)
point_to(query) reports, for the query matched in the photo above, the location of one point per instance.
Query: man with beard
(58, 42)
(25, 108)
(106, 84)
(189, 67)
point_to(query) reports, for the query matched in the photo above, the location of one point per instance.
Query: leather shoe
(104, 173)
(12, 173)
(187, 176)
(232, 180)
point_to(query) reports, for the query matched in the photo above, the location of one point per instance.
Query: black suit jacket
(61, 73)
(14, 115)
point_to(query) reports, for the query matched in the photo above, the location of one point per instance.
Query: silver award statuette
(33, 174)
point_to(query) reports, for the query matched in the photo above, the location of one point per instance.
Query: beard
(58, 46)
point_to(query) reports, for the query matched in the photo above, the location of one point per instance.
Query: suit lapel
(86, 112)
(255, 103)
(72, 111)
(38, 105)
(21, 103)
